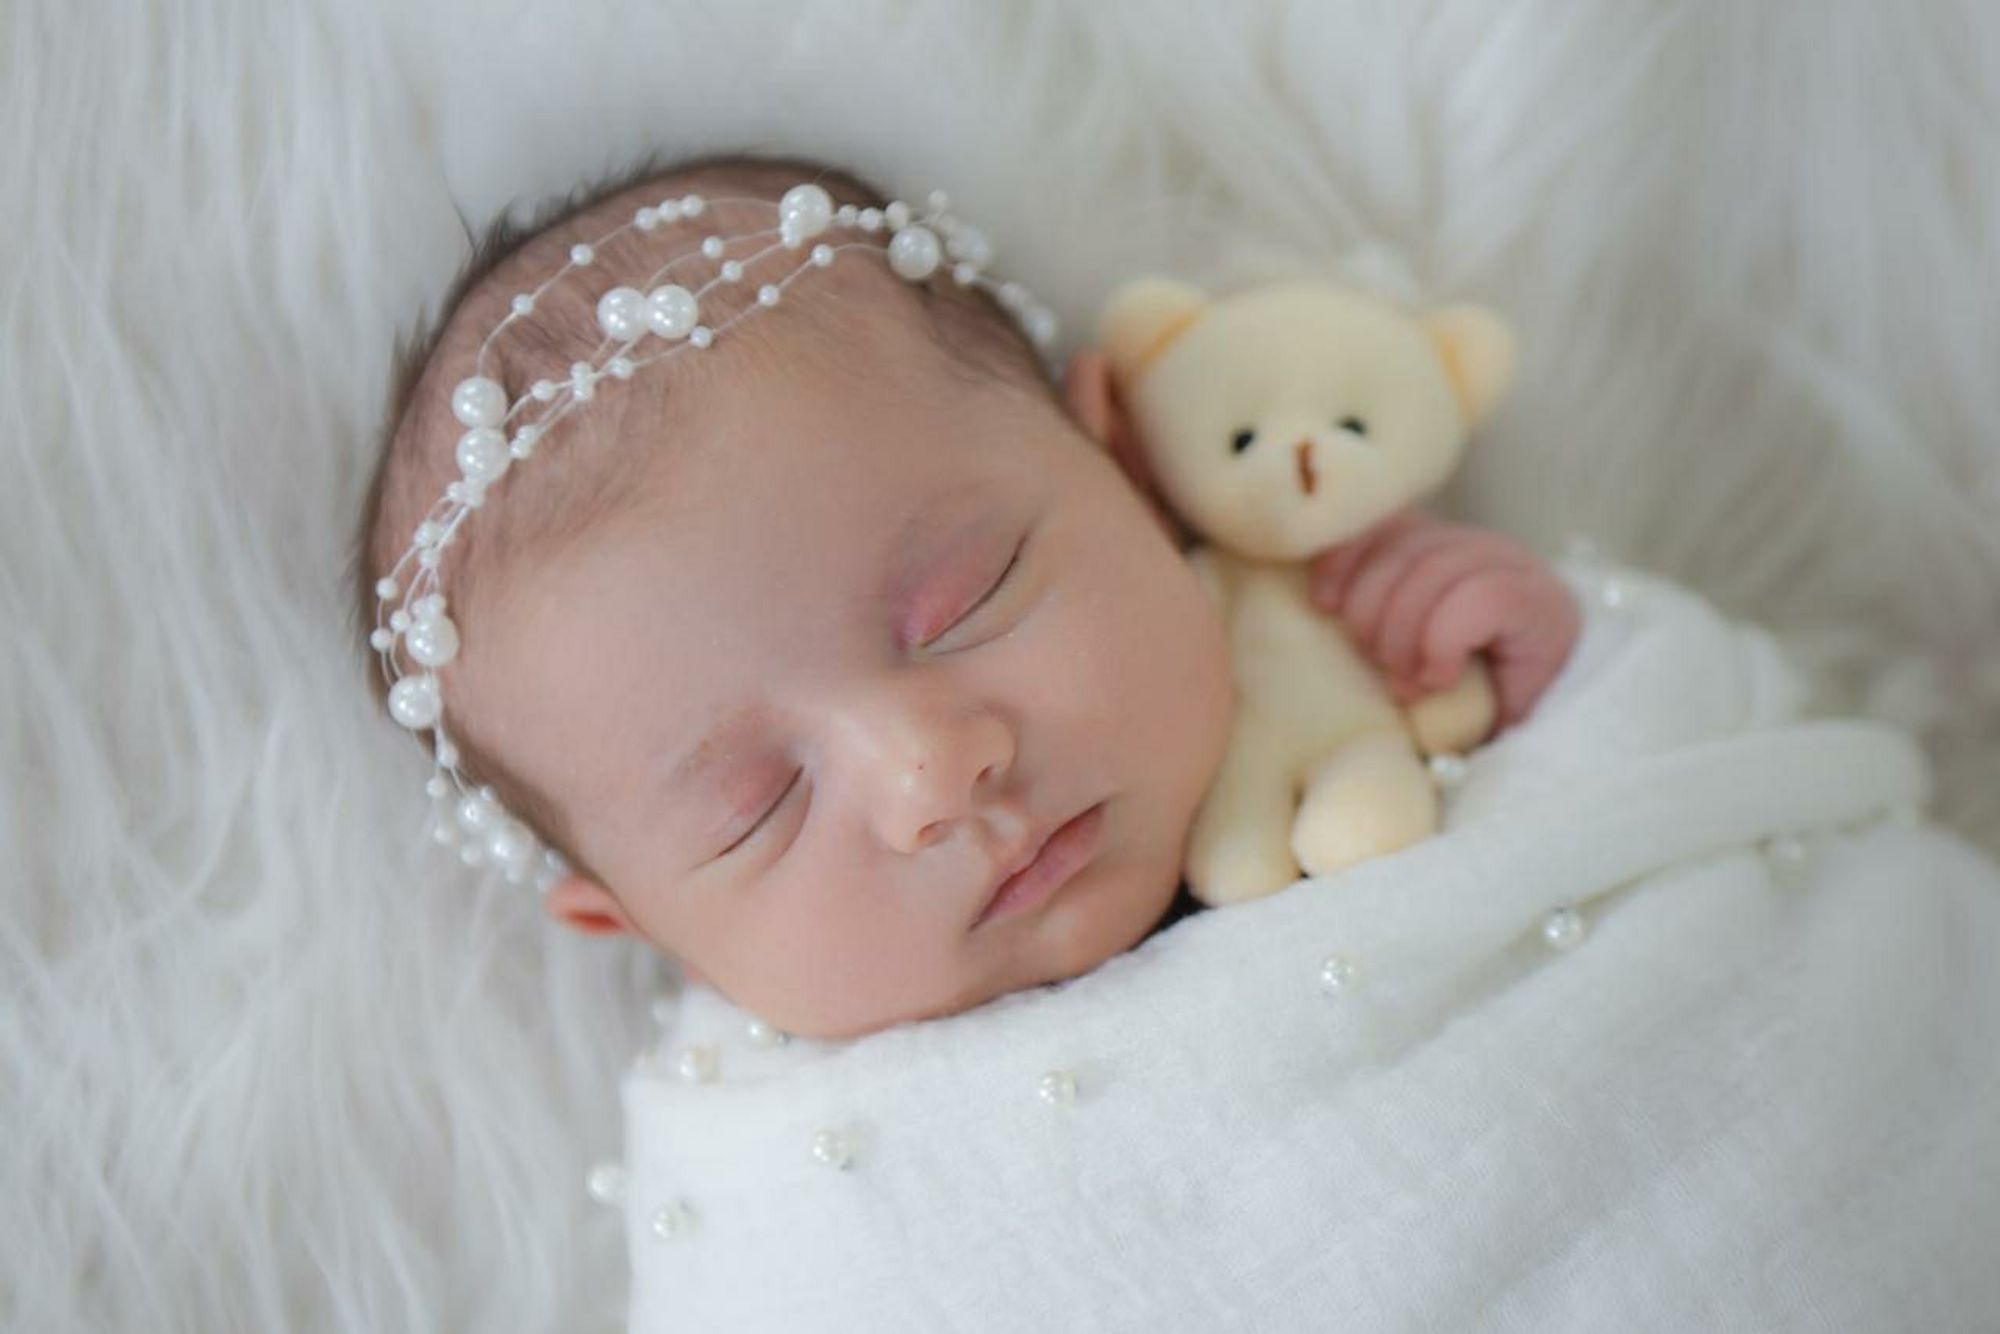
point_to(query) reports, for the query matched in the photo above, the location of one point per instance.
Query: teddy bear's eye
(1355, 425)
(1242, 440)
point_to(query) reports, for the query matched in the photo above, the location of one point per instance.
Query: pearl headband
(411, 611)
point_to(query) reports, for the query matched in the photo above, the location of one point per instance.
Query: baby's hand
(1420, 595)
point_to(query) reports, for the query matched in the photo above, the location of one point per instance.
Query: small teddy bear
(1278, 422)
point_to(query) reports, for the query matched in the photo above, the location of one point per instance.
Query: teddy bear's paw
(1372, 798)
(1235, 870)
(1457, 718)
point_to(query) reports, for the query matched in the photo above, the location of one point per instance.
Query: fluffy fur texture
(268, 1063)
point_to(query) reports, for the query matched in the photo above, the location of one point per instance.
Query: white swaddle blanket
(1753, 1082)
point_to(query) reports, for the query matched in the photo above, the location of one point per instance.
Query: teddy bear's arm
(1457, 718)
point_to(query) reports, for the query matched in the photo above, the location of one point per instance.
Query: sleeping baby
(759, 597)
(849, 662)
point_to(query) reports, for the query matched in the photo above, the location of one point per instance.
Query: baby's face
(841, 663)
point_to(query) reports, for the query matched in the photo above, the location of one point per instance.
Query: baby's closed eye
(962, 629)
(746, 829)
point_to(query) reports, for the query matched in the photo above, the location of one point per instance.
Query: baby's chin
(1101, 915)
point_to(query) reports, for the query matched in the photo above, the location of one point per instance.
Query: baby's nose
(937, 774)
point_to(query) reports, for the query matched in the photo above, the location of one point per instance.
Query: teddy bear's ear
(1477, 349)
(1142, 318)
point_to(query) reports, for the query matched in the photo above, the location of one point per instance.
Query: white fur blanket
(1750, 1086)
(265, 1062)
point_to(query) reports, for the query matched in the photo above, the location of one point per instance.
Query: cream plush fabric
(265, 1062)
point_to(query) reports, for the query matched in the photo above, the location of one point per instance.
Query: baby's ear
(1477, 349)
(586, 906)
(1142, 318)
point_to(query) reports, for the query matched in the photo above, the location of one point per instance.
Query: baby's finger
(1333, 570)
(1482, 611)
(1398, 640)
(1369, 594)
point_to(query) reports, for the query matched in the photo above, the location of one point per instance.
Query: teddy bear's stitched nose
(1308, 479)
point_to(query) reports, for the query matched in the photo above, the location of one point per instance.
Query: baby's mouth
(1055, 861)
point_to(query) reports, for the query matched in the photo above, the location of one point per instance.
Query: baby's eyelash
(992, 590)
(765, 818)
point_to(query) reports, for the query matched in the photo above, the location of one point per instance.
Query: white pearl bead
(970, 245)
(582, 381)
(427, 606)
(606, 1183)
(621, 313)
(428, 533)
(523, 444)
(697, 1065)
(399, 620)
(871, 219)
(845, 215)
(670, 1221)
(1447, 770)
(897, 214)
(1788, 855)
(1338, 973)
(1012, 295)
(671, 311)
(544, 390)
(436, 785)
(964, 274)
(447, 754)
(803, 213)
(938, 200)
(764, 1035)
(479, 401)
(1057, 1088)
(482, 455)
(524, 304)
(731, 271)
(433, 641)
(511, 845)
(386, 589)
(701, 335)
(1564, 929)
(645, 219)
(914, 253)
(429, 558)
(476, 814)
(692, 206)
(621, 368)
(380, 639)
(822, 255)
(832, 1149)
(712, 247)
(582, 255)
(1040, 324)
(415, 702)
(669, 210)
(767, 295)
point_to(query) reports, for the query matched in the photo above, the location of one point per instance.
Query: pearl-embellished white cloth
(1674, 1027)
